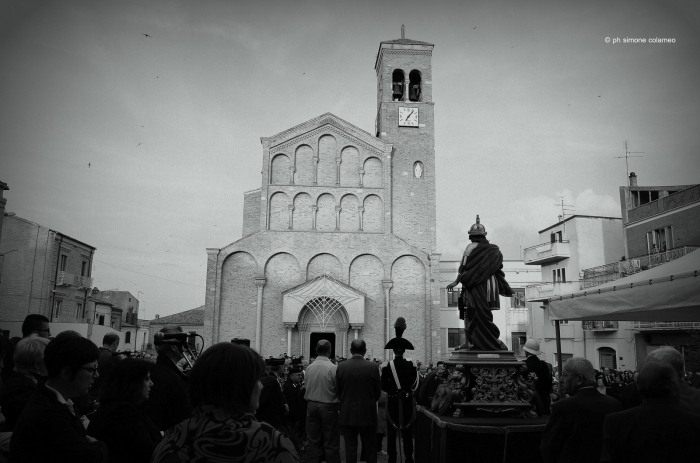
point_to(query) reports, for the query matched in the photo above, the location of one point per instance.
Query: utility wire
(149, 275)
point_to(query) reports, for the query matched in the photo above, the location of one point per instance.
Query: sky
(142, 145)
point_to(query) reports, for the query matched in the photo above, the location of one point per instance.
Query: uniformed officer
(400, 380)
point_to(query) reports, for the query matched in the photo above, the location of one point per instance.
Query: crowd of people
(651, 415)
(65, 399)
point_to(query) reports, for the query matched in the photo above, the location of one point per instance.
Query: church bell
(397, 92)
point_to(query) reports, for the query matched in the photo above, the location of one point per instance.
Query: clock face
(408, 117)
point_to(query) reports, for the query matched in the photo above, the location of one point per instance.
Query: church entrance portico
(322, 308)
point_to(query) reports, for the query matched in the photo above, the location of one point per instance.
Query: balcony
(547, 253)
(84, 282)
(666, 325)
(599, 325)
(65, 279)
(610, 272)
(545, 291)
(687, 196)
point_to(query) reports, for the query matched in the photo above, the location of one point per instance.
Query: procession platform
(442, 439)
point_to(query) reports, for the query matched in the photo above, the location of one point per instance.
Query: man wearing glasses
(48, 429)
(574, 432)
(36, 324)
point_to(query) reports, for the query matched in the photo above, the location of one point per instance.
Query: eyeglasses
(92, 370)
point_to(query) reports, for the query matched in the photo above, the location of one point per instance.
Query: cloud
(519, 226)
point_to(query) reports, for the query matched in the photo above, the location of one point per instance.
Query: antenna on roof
(564, 209)
(403, 32)
(626, 156)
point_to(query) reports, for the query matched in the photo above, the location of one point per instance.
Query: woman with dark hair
(225, 388)
(129, 434)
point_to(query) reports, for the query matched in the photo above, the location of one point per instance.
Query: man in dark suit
(659, 429)
(169, 402)
(357, 383)
(574, 432)
(272, 407)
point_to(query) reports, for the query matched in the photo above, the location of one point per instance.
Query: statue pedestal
(484, 382)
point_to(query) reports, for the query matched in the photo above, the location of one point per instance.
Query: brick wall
(326, 160)
(350, 167)
(686, 230)
(408, 301)
(251, 212)
(239, 297)
(282, 272)
(324, 263)
(280, 170)
(304, 174)
(279, 211)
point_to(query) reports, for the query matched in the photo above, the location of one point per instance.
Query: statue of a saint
(418, 170)
(482, 281)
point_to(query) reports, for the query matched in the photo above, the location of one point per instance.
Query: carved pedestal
(485, 383)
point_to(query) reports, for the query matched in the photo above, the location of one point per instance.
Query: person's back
(659, 429)
(15, 393)
(169, 403)
(574, 432)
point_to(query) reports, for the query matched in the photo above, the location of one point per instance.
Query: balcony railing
(599, 325)
(660, 205)
(610, 272)
(546, 253)
(84, 282)
(65, 279)
(666, 325)
(544, 291)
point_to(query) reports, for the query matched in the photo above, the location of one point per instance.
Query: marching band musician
(400, 380)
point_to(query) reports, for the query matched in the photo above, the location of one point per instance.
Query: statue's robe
(482, 281)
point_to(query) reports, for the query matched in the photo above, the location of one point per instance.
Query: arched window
(397, 81)
(414, 86)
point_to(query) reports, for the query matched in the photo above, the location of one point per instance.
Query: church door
(316, 337)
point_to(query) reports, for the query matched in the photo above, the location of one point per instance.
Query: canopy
(669, 292)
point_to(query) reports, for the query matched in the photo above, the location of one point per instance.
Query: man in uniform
(400, 380)
(272, 407)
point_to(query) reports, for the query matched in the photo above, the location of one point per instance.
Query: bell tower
(405, 118)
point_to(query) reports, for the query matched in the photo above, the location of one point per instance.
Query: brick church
(339, 240)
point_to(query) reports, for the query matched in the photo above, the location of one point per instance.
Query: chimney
(403, 32)
(633, 179)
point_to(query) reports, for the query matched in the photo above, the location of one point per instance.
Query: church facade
(339, 240)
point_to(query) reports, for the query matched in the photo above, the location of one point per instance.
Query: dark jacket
(271, 404)
(129, 434)
(105, 362)
(48, 431)
(14, 395)
(631, 398)
(169, 401)
(294, 396)
(658, 430)
(407, 374)
(358, 386)
(574, 432)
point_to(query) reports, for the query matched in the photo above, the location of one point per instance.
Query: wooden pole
(556, 327)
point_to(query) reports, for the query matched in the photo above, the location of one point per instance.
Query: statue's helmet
(477, 229)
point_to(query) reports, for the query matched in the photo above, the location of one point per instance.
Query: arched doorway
(314, 338)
